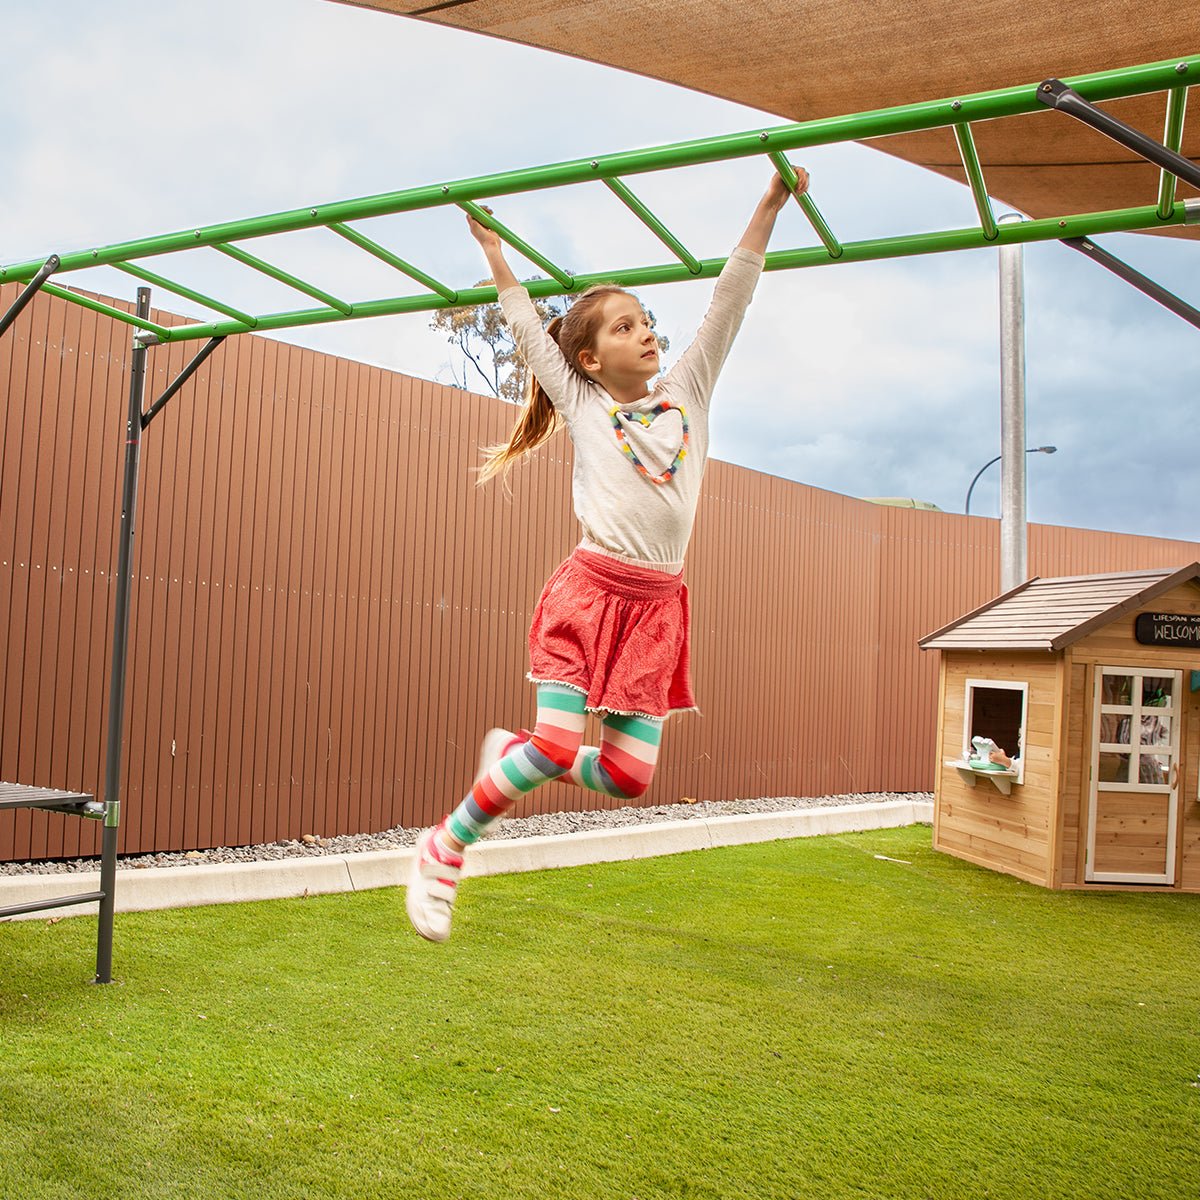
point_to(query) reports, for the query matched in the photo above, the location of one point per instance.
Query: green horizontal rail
(1047, 229)
(985, 106)
(1173, 140)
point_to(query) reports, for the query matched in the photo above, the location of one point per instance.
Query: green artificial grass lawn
(794, 1019)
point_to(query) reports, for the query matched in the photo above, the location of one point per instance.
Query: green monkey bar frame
(1077, 99)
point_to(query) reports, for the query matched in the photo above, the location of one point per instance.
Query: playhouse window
(995, 709)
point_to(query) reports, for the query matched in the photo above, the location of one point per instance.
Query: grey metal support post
(120, 655)
(1013, 529)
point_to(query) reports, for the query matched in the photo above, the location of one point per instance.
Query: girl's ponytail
(537, 424)
(573, 332)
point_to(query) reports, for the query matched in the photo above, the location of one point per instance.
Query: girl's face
(626, 350)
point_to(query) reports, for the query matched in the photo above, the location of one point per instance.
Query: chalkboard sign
(1168, 629)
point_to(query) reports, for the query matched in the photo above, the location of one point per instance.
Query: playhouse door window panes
(1114, 768)
(1135, 746)
(1114, 729)
(1155, 742)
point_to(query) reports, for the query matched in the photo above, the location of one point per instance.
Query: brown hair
(573, 332)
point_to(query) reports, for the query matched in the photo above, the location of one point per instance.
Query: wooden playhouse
(1092, 685)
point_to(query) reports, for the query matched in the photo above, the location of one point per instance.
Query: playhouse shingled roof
(1048, 614)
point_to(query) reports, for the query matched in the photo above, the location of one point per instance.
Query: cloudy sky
(121, 120)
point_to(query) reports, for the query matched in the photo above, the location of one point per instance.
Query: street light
(1031, 450)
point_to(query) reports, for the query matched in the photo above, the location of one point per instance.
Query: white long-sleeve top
(621, 511)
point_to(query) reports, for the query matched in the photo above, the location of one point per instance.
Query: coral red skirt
(618, 633)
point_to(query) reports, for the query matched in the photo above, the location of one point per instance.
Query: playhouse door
(1132, 812)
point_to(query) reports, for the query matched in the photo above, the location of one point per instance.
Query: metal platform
(20, 795)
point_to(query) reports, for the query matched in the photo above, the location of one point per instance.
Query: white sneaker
(496, 743)
(432, 886)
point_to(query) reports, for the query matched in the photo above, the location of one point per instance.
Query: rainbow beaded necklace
(647, 419)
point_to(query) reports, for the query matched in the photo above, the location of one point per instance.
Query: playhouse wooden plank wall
(1011, 833)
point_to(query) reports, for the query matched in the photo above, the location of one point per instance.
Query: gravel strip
(544, 825)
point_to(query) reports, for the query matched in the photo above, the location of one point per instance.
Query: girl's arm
(700, 364)
(758, 232)
(493, 251)
(539, 350)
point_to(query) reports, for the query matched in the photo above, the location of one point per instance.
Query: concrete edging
(227, 883)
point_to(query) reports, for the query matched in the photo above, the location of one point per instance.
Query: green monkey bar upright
(1077, 98)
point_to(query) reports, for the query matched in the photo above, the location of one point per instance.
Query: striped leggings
(622, 765)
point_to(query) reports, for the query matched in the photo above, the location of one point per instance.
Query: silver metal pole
(1013, 529)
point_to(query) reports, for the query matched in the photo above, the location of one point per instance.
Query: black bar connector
(1143, 283)
(1056, 94)
(181, 379)
(30, 290)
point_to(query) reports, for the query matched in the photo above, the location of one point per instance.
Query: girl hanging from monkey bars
(610, 631)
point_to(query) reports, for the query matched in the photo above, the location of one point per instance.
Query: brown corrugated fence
(328, 613)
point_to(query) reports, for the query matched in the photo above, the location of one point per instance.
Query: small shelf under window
(1002, 778)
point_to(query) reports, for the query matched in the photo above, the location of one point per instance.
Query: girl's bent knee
(626, 780)
(553, 755)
